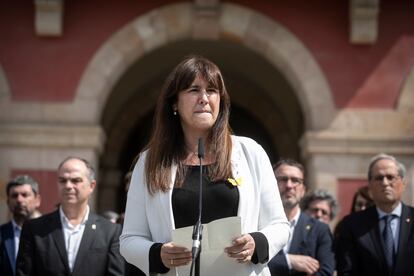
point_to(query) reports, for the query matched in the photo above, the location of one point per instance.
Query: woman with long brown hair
(237, 178)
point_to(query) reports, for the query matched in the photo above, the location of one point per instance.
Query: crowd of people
(285, 229)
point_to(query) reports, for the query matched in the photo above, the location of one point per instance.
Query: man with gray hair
(321, 205)
(379, 240)
(23, 199)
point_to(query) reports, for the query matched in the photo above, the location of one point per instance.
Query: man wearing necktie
(23, 199)
(379, 240)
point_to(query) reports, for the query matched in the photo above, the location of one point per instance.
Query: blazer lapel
(87, 240)
(239, 170)
(406, 228)
(8, 237)
(375, 235)
(164, 200)
(299, 235)
(58, 238)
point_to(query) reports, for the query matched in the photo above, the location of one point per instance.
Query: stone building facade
(330, 84)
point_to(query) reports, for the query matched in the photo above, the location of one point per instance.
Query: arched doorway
(264, 106)
(287, 92)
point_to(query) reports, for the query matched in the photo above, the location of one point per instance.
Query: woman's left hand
(242, 248)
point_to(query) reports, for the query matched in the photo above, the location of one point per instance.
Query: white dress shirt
(293, 223)
(73, 235)
(16, 234)
(395, 223)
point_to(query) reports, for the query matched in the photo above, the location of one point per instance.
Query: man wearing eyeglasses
(379, 240)
(320, 204)
(309, 248)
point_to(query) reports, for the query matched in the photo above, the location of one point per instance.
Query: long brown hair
(364, 193)
(166, 145)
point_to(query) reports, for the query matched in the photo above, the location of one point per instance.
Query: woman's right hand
(173, 255)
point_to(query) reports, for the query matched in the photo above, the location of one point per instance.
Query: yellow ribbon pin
(235, 182)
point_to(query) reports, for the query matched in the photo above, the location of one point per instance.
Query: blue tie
(388, 241)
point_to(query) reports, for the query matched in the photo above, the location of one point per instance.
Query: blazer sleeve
(324, 251)
(116, 264)
(319, 247)
(272, 221)
(278, 265)
(136, 239)
(345, 253)
(6, 235)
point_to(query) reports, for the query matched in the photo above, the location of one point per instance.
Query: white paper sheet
(217, 235)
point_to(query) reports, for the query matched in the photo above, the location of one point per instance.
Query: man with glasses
(309, 248)
(321, 205)
(379, 240)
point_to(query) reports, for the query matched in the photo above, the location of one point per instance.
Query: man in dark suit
(22, 199)
(71, 240)
(309, 248)
(379, 240)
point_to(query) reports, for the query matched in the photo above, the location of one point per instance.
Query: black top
(220, 200)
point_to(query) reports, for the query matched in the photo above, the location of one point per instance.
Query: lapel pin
(308, 227)
(93, 226)
(407, 220)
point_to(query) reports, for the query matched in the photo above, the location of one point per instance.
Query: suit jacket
(42, 248)
(7, 250)
(359, 245)
(311, 238)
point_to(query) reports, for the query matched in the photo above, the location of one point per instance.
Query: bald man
(72, 240)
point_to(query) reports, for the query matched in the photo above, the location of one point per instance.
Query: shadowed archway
(264, 106)
(271, 76)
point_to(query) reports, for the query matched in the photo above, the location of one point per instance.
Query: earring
(175, 112)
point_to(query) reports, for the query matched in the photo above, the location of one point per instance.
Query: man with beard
(23, 199)
(309, 248)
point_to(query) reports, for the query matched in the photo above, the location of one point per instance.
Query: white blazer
(149, 219)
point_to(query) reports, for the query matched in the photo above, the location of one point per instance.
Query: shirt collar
(295, 219)
(16, 227)
(65, 220)
(396, 212)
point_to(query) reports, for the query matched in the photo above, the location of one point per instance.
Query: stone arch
(175, 22)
